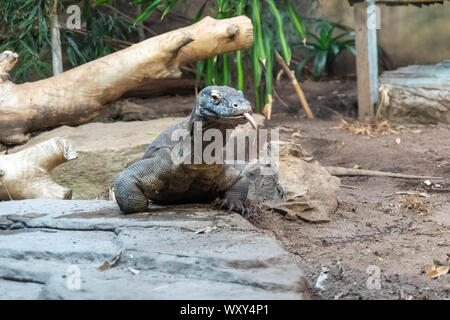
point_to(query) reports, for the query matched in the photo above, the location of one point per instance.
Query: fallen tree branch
(128, 18)
(26, 174)
(340, 171)
(295, 84)
(77, 96)
(350, 187)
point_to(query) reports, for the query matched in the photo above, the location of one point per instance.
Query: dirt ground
(373, 235)
(373, 232)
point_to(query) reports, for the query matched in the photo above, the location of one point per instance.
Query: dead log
(26, 174)
(76, 96)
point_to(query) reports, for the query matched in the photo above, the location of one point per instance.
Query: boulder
(299, 187)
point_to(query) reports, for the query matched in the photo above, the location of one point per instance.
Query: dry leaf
(413, 202)
(206, 230)
(367, 129)
(413, 193)
(187, 229)
(111, 264)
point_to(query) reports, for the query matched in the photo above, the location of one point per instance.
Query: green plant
(325, 48)
(25, 29)
(103, 34)
(222, 69)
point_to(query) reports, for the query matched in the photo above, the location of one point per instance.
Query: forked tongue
(251, 120)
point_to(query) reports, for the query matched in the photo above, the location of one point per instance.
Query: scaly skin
(159, 177)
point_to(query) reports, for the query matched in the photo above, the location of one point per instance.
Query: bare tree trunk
(76, 96)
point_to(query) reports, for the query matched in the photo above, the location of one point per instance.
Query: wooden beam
(366, 60)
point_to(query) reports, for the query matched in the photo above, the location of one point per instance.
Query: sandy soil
(372, 231)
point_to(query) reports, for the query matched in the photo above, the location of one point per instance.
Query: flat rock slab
(52, 249)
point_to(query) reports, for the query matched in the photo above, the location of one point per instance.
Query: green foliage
(25, 29)
(219, 70)
(325, 48)
(299, 25)
(285, 49)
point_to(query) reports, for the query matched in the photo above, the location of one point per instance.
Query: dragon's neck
(205, 125)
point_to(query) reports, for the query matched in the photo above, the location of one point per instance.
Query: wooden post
(366, 59)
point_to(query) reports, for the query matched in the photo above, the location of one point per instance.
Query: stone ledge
(176, 255)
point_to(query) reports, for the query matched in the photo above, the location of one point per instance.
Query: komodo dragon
(159, 178)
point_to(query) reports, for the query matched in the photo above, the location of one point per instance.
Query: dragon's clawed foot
(236, 205)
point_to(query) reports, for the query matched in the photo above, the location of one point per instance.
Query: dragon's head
(224, 105)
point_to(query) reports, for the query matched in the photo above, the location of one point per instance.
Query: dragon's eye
(215, 98)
